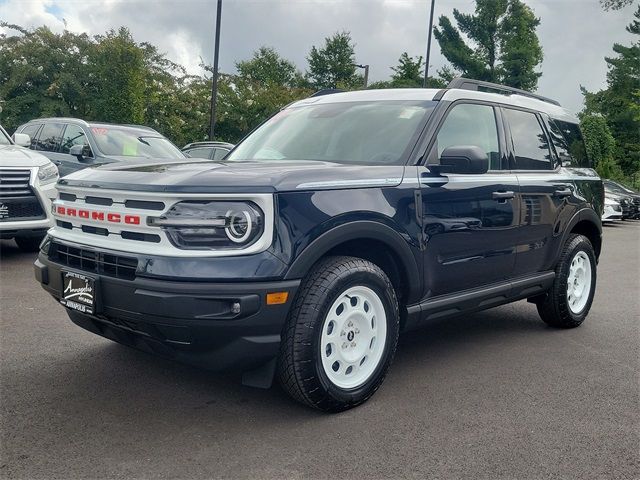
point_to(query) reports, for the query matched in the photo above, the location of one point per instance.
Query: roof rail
(326, 91)
(481, 86)
(60, 119)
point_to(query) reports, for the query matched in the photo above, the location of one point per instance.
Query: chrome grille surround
(142, 238)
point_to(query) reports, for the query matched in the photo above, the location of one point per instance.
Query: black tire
(300, 369)
(554, 309)
(29, 244)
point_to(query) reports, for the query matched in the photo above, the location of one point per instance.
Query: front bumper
(10, 227)
(188, 321)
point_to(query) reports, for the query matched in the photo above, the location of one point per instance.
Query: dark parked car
(338, 223)
(74, 144)
(632, 199)
(209, 150)
(625, 201)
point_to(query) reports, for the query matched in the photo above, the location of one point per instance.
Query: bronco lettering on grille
(109, 217)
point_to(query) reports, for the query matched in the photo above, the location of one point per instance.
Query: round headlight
(238, 227)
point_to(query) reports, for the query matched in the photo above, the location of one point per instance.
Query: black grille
(20, 208)
(14, 183)
(94, 262)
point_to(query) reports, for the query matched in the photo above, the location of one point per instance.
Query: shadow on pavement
(108, 377)
(10, 251)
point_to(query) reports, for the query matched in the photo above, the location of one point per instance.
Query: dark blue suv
(342, 221)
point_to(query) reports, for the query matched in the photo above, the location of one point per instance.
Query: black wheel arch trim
(366, 230)
(585, 214)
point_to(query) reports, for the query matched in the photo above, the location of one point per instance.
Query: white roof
(452, 94)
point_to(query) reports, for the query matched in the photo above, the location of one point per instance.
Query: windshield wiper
(142, 140)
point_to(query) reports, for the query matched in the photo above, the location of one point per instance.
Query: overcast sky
(575, 34)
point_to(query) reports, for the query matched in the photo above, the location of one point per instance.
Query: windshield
(4, 138)
(372, 133)
(134, 143)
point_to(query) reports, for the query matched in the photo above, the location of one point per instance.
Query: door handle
(502, 195)
(564, 192)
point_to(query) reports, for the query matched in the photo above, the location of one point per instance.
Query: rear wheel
(29, 244)
(341, 335)
(568, 302)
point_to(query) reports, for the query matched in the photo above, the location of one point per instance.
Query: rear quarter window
(569, 144)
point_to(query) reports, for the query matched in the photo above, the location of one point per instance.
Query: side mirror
(462, 159)
(79, 151)
(22, 139)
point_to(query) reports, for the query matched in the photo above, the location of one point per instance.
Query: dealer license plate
(78, 292)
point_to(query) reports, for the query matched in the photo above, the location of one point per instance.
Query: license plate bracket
(78, 292)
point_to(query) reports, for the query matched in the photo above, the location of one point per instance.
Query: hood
(14, 156)
(616, 196)
(232, 177)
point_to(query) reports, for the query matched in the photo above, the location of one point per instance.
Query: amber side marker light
(277, 298)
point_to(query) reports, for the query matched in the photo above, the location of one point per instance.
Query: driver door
(67, 163)
(470, 221)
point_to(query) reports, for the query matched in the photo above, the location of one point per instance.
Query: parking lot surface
(492, 395)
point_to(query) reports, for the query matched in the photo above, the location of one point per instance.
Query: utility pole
(214, 85)
(366, 74)
(426, 66)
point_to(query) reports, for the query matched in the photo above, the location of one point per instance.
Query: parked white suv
(612, 210)
(27, 186)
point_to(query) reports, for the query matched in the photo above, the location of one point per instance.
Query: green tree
(502, 45)
(118, 78)
(600, 146)
(333, 65)
(619, 103)
(267, 67)
(615, 4)
(520, 50)
(265, 83)
(409, 71)
(42, 74)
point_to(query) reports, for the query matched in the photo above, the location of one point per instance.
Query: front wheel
(568, 302)
(341, 335)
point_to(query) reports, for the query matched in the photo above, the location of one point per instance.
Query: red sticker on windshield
(99, 131)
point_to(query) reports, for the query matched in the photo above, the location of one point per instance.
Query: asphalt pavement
(493, 395)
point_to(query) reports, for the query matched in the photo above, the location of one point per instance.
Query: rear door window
(50, 136)
(203, 152)
(220, 153)
(530, 142)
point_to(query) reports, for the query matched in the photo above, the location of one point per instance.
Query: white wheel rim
(579, 282)
(354, 334)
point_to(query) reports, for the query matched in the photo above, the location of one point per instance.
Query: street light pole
(426, 66)
(366, 74)
(214, 84)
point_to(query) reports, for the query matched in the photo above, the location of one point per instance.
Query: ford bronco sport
(343, 220)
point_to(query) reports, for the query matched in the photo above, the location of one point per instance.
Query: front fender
(360, 230)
